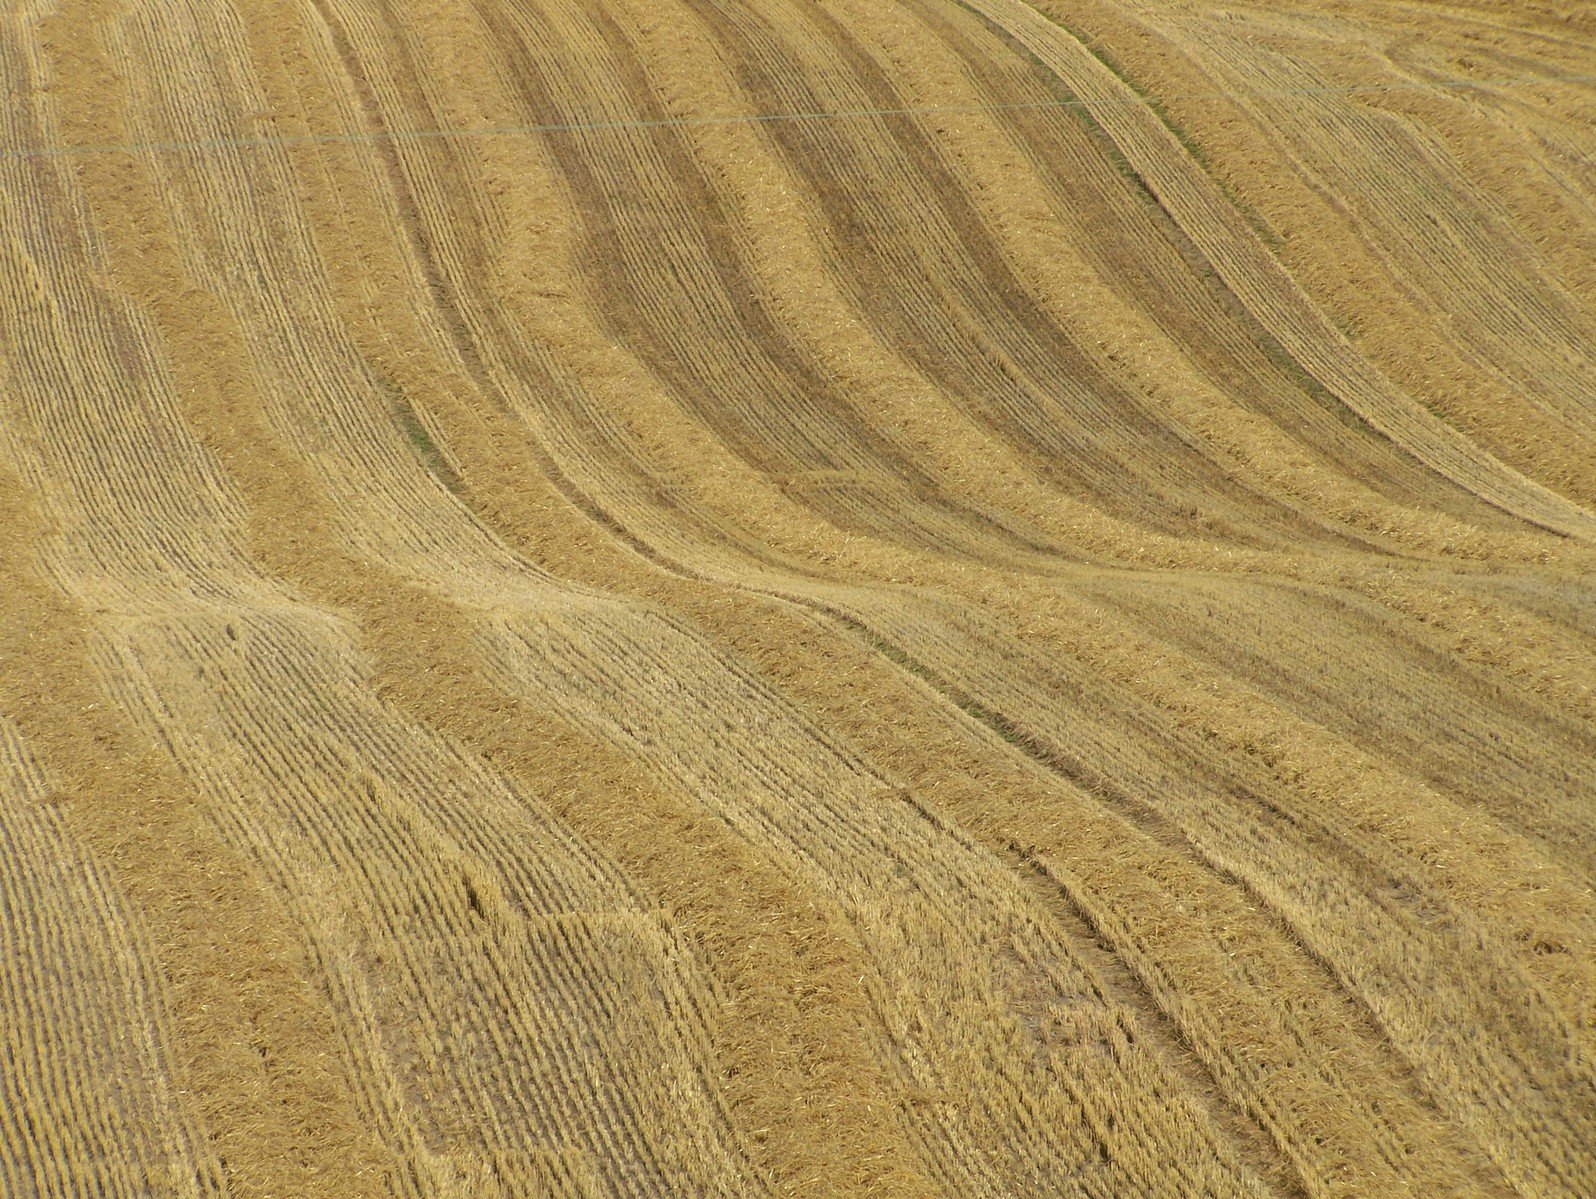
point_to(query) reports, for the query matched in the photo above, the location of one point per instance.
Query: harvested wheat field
(827, 598)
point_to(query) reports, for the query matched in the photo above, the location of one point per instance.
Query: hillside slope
(797, 597)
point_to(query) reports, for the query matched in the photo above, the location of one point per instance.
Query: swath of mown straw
(1023, 722)
(416, 636)
(250, 1029)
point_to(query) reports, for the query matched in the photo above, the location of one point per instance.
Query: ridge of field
(1024, 631)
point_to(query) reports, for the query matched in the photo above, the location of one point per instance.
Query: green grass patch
(989, 718)
(1188, 143)
(416, 433)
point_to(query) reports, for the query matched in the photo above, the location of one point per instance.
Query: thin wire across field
(383, 135)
